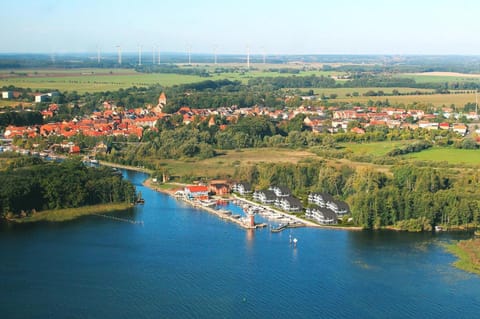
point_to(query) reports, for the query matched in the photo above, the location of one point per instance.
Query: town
(111, 120)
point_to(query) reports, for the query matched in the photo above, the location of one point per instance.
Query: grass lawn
(450, 155)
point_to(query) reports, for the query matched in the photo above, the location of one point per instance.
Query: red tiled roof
(197, 189)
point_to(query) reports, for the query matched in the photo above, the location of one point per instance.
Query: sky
(397, 27)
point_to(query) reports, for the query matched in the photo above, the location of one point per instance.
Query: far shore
(127, 167)
(60, 215)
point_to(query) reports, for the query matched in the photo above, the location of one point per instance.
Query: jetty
(282, 227)
(125, 220)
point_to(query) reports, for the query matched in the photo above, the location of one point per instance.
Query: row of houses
(286, 202)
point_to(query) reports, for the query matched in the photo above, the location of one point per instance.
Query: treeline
(281, 82)
(171, 68)
(411, 148)
(19, 118)
(412, 198)
(30, 184)
(359, 80)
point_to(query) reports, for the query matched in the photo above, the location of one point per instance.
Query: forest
(30, 184)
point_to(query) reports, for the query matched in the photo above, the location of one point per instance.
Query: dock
(282, 227)
(223, 214)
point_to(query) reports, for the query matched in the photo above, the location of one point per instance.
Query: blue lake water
(186, 263)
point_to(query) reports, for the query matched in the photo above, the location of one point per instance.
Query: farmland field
(96, 80)
(93, 82)
(459, 99)
(441, 77)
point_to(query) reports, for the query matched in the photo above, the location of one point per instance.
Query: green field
(441, 77)
(450, 155)
(225, 164)
(97, 80)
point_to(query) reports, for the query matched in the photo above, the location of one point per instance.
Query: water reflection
(250, 236)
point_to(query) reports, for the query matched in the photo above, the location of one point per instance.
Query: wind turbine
(248, 57)
(215, 54)
(119, 53)
(139, 55)
(189, 48)
(98, 54)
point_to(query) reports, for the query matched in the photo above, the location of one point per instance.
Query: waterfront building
(280, 191)
(242, 188)
(322, 215)
(264, 196)
(196, 192)
(289, 204)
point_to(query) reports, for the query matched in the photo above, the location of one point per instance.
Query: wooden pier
(282, 227)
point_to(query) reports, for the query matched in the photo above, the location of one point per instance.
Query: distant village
(115, 121)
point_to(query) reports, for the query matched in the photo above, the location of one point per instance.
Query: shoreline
(466, 252)
(148, 183)
(67, 214)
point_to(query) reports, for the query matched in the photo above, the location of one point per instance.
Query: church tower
(162, 100)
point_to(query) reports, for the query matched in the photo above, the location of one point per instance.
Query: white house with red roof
(196, 191)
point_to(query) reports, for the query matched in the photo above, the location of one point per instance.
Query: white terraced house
(290, 204)
(242, 188)
(327, 200)
(322, 215)
(280, 191)
(264, 196)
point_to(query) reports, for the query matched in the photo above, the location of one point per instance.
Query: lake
(186, 263)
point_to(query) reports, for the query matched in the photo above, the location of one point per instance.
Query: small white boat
(438, 228)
